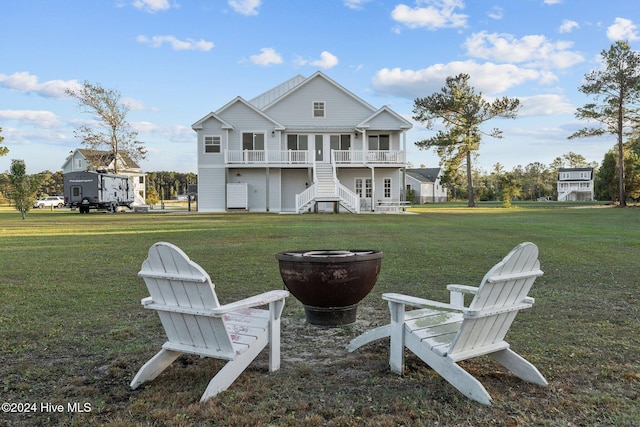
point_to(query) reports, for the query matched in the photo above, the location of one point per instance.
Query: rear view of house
(575, 184)
(308, 144)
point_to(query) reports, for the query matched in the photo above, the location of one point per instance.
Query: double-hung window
(318, 109)
(212, 144)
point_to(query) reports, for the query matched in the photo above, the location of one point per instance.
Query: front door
(319, 148)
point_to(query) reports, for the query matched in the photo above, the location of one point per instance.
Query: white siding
(246, 120)
(275, 194)
(211, 189)
(341, 110)
(384, 120)
(293, 182)
(211, 127)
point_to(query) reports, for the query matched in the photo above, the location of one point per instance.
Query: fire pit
(330, 283)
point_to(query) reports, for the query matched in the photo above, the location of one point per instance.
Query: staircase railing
(349, 197)
(305, 197)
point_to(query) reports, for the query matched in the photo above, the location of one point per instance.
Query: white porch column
(365, 146)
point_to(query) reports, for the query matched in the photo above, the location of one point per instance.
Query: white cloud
(152, 6)
(267, 56)
(136, 105)
(40, 118)
(623, 29)
(496, 13)
(355, 4)
(532, 50)
(487, 78)
(28, 83)
(176, 44)
(327, 60)
(431, 14)
(568, 26)
(552, 1)
(173, 133)
(245, 7)
(544, 105)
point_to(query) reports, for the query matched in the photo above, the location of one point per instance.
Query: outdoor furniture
(195, 323)
(443, 334)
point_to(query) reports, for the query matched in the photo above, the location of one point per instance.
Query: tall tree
(3, 150)
(462, 111)
(23, 187)
(616, 90)
(112, 131)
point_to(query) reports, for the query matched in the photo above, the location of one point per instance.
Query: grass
(74, 331)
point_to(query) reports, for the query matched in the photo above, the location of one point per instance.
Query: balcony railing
(264, 157)
(305, 157)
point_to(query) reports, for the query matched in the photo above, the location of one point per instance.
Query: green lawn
(73, 330)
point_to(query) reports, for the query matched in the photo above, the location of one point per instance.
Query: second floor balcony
(300, 157)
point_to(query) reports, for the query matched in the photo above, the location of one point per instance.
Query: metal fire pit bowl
(330, 283)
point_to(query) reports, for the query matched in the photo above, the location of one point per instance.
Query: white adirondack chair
(183, 295)
(444, 334)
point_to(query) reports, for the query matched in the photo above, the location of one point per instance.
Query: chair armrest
(146, 301)
(418, 302)
(463, 288)
(457, 292)
(254, 301)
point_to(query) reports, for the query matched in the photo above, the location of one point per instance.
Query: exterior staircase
(327, 188)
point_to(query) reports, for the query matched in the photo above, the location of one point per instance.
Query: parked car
(47, 202)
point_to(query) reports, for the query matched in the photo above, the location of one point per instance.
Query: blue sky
(174, 61)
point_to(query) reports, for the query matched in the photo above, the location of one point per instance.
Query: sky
(174, 61)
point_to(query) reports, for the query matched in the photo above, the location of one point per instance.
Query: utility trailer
(97, 190)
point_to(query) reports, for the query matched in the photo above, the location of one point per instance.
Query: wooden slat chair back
(501, 294)
(443, 334)
(195, 323)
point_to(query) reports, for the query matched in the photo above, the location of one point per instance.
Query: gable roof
(198, 125)
(271, 95)
(403, 123)
(100, 159)
(425, 174)
(295, 84)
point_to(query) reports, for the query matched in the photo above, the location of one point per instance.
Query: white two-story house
(308, 144)
(575, 184)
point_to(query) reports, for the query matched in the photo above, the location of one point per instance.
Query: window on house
(211, 144)
(340, 142)
(141, 179)
(318, 109)
(78, 163)
(298, 142)
(253, 141)
(379, 142)
(387, 188)
(364, 187)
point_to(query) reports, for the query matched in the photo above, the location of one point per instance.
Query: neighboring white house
(575, 184)
(427, 185)
(96, 160)
(307, 144)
